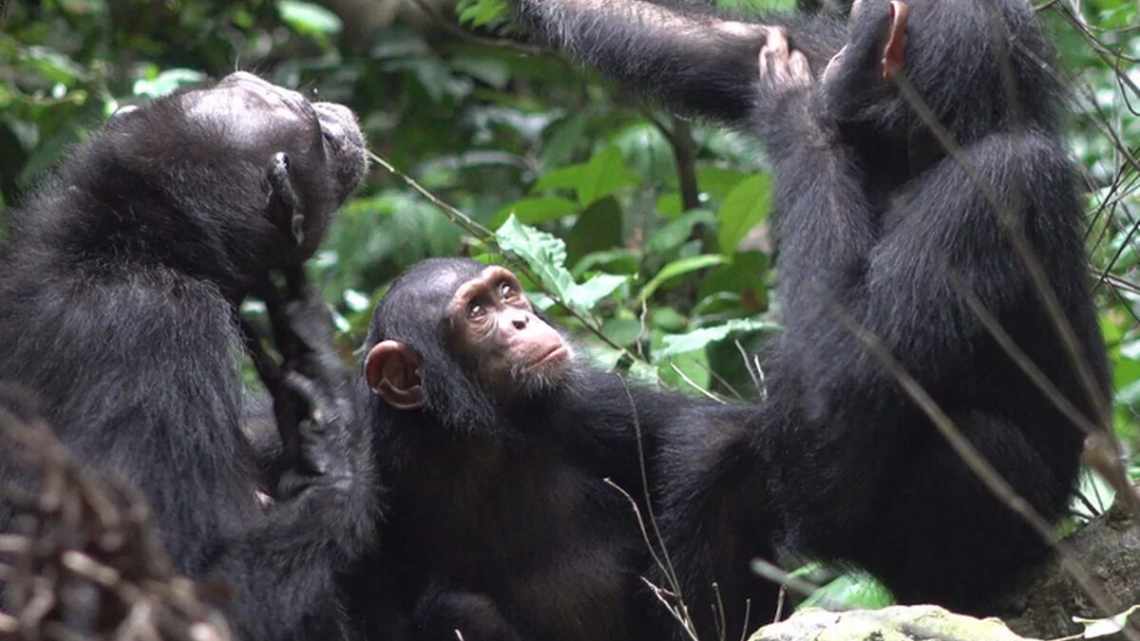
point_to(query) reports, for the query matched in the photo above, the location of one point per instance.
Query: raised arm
(698, 63)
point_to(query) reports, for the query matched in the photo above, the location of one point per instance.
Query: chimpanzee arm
(698, 63)
(325, 517)
(943, 238)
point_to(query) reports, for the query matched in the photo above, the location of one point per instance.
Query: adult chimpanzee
(119, 288)
(494, 441)
(924, 199)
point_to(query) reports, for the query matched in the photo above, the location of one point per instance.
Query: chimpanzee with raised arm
(927, 214)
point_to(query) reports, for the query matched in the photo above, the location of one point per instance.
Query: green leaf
(853, 590)
(545, 255)
(675, 232)
(669, 205)
(698, 339)
(623, 331)
(668, 319)
(597, 229)
(604, 174)
(619, 260)
(567, 177)
(588, 294)
(166, 82)
(489, 70)
(52, 65)
(308, 18)
(744, 207)
(693, 366)
(480, 13)
(679, 268)
(532, 211)
(718, 181)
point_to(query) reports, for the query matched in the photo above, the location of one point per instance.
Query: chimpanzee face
(491, 331)
(255, 153)
(493, 324)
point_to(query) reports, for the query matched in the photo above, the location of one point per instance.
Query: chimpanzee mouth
(559, 353)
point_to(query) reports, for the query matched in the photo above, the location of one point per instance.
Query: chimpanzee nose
(517, 318)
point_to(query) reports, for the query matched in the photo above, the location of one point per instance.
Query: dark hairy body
(119, 288)
(494, 442)
(924, 197)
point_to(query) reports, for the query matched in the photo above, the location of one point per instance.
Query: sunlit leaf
(166, 82)
(853, 590)
(308, 18)
(1103, 627)
(679, 268)
(673, 344)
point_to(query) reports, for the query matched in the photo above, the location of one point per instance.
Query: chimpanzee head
(460, 341)
(224, 181)
(977, 66)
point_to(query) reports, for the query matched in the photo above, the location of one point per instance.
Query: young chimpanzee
(924, 199)
(119, 288)
(494, 440)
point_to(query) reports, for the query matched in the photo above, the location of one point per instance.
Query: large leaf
(166, 82)
(536, 210)
(673, 344)
(597, 229)
(309, 18)
(588, 294)
(674, 233)
(744, 207)
(604, 174)
(545, 255)
(679, 268)
(853, 590)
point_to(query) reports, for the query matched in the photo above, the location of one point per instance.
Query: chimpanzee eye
(475, 311)
(507, 290)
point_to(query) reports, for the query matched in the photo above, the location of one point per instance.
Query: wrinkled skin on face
(490, 326)
(253, 170)
(495, 326)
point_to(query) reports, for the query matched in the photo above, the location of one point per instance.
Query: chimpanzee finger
(799, 71)
(777, 42)
(320, 405)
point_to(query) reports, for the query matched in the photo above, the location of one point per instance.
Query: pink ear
(894, 53)
(392, 370)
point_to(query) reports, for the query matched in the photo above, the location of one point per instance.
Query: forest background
(646, 232)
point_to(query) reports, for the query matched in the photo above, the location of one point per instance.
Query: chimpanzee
(494, 440)
(119, 288)
(926, 211)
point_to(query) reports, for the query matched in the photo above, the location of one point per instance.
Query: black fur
(499, 521)
(881, 228)
(117, 307)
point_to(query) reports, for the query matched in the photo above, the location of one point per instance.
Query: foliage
(580, 181)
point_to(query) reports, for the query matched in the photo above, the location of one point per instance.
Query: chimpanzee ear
(392, 369)
(894, 52)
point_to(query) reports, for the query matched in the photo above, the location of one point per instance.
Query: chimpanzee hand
(782, 69)
(310, 389)
(786, 92)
